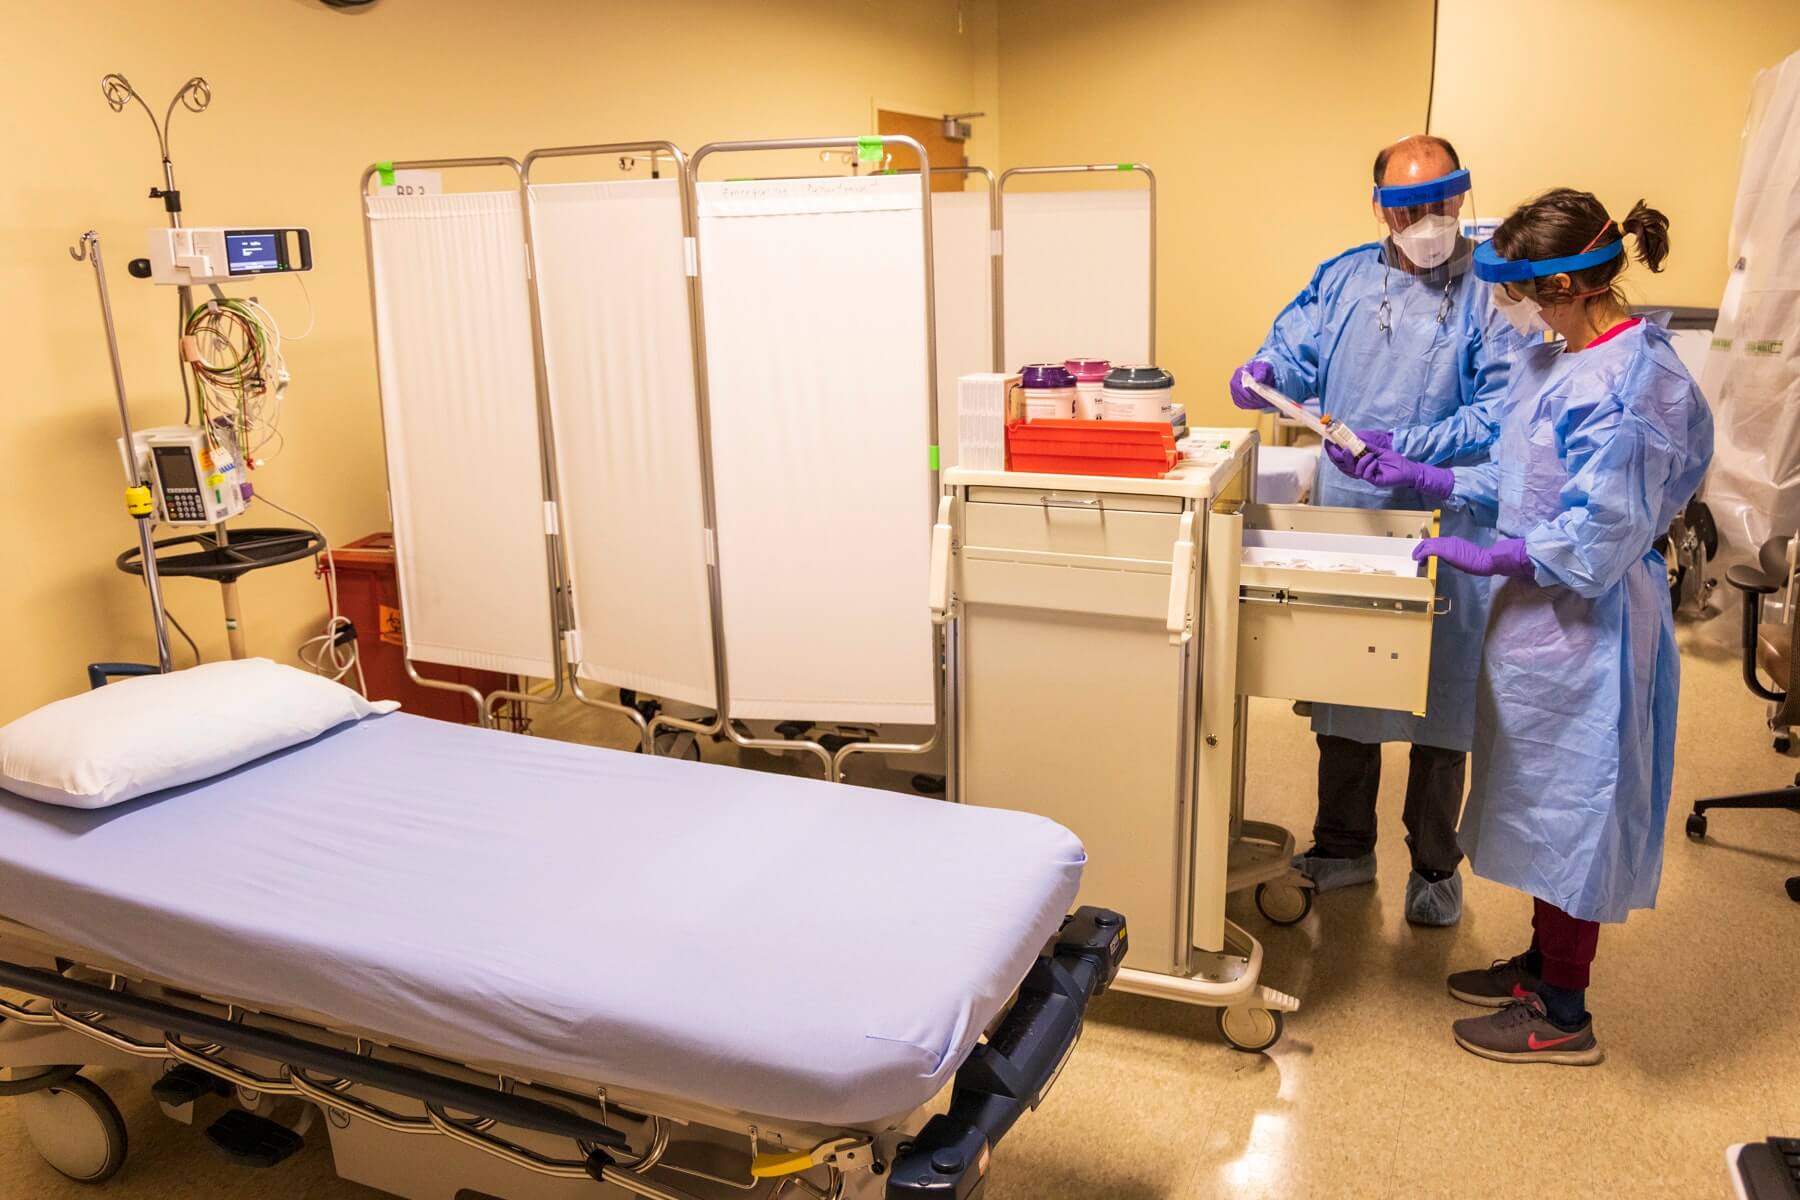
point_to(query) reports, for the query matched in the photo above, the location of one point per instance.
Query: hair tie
(1595, 240)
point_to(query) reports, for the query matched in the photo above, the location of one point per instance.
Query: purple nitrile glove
(1505, 557)
(1242, 396)
(1389, 469)
(1343, 460)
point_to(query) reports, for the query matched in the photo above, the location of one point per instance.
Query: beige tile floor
(1697, 1003)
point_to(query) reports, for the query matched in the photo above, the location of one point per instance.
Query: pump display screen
(254, 253)
(175, 468)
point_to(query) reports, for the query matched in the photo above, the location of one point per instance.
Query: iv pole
(194, 96)
(137, 489)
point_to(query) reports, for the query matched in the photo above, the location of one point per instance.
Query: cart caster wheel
(1783, 744)
(1696, 825)
(77, 1128)
(1283, 903)
(1793, 888)
(1251, 1030)
(678, 743)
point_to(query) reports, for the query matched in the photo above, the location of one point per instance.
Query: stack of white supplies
(981, 413)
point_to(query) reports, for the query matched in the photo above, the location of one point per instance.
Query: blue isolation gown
(1580, 675)
(1444, 349)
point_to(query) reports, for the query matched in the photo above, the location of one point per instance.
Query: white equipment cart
(1104, 633)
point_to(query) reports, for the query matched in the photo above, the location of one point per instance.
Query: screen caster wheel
(1696, 825)
(1283, 903)
(678, 743)
(1251, 1030)
(77, 1129)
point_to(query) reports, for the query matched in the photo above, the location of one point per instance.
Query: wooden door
(929, 133)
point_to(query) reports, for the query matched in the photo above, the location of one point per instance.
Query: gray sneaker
(1521, 1033)
(1437, 904)
(1330, 874)
(1501, 983)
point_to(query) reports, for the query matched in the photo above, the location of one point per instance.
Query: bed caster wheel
(678, 743)
(1283, 903)
(1696, 825)
(1251, 1030)
(928, 785)
(1783, 743)
(35, 1079)
(77, 1129)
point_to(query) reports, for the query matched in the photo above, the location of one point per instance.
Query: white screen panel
(612, 297)
(963, 285)
(459, 414)
(1076, 275)
(814, 303)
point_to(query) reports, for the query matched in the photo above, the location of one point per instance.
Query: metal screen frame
(647, 730)
(1000, 250)
(555, 573)
(833, 763)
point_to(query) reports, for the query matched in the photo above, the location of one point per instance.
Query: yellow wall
(1259, 118)
(304, 98)
(1262, 119)
(1647, 100)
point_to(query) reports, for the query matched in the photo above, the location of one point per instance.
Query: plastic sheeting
(612, 299)
(819, 385)
(459, 411)
(963, 285)
(1752, 376)
(1076, 276)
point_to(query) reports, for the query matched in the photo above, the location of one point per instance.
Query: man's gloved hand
(1243, 397)
(1505, 557)
(1343, 460)
(1387, 469)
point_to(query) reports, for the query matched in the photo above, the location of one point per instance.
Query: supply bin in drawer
(1332, 608)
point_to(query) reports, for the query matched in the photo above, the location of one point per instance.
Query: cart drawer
(1015, 582)
(1086, 525)
(1331, 607)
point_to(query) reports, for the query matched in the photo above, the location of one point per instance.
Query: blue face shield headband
(1418, 195)
(1491, 268)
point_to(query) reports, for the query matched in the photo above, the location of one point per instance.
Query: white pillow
(141, 735)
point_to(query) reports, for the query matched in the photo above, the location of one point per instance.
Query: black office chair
(1769, 645)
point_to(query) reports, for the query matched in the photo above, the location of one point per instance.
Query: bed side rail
(1014, 1069)
(434, 1091)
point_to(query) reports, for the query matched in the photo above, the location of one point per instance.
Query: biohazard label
(1764, 349)
(392, 631)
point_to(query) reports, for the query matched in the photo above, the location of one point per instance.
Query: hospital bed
(479, 962)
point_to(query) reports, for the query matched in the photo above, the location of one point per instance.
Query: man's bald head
(1415, 159)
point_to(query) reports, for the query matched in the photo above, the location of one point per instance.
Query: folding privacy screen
(1079, 274)
(460, 413)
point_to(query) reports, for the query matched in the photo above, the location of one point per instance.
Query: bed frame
(407, 1121)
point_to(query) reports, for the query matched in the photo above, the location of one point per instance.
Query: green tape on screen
(384, 173)
(1127, 166)
(868, 149)
(934, 458)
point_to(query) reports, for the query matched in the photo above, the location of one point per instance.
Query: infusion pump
(194, 474)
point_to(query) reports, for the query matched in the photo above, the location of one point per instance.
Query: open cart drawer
(1332, 607)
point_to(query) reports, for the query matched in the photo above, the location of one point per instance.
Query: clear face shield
(1421, 225)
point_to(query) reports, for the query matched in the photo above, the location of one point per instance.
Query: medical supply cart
(1104, 634)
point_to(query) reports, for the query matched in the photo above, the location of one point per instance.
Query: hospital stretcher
(483, 963)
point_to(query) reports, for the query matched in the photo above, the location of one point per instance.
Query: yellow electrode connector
(138, 501)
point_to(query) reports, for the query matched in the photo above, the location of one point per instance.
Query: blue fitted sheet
(795, 949)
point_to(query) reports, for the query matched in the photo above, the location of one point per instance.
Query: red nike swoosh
(1537, 1043)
